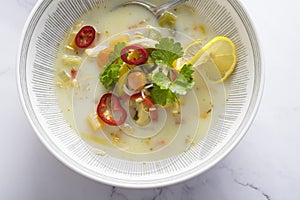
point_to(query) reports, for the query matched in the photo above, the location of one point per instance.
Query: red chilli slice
(85, 37)
(134, 55)
(110, 103)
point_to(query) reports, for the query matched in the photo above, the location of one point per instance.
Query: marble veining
(244, 184)
(264, 166)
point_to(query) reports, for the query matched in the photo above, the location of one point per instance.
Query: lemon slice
(218, 58)
(192, 49)
(188, 53)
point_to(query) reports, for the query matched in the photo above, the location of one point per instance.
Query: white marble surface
(264, 166)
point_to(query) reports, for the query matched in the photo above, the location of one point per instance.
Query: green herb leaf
(178, 89)
(167, 51)
(116, 53)
(187, 71)
(161, 80)
(110, 75)
(181, 85)
(162, 96)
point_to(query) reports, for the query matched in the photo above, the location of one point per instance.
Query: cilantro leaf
(110, 76)
(116, 53)
(178, 88)
(162, 96)
(161, 80)
(187, 71)
(181, 85)
(167, 51)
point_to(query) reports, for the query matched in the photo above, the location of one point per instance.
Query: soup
(127, 85)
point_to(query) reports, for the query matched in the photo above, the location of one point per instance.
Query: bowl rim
(212, 161)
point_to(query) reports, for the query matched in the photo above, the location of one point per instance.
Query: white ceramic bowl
(45, 28)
